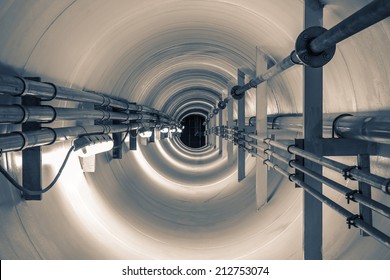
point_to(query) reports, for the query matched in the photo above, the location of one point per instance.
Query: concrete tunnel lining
(161, 201)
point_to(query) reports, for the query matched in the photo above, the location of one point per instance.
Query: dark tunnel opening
(193, 135)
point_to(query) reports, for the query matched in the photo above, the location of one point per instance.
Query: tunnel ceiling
(163, 200)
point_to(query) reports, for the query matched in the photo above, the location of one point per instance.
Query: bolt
(326, 56)
(305, 36)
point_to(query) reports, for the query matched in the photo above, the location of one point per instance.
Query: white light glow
(94, 149)
(146, 134)
(164, 130)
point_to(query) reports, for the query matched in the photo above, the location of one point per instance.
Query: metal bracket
(350, 196)
(351, 221)
(347, 172)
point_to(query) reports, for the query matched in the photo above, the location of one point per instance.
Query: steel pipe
(369, 128)
(370, 14)
(348, 193)
(17, 86)
(21, 114)
(238, 92)
(355, 196)
(375, 181)
(374, 129)
(315, 46)
(352, 220)
(16, 141)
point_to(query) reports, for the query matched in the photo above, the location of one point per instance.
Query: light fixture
(89, 145)
(145, 132)
(179, 130)
(173, 129)
(164, 130)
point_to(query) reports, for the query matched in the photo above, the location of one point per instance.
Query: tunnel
(177, 196)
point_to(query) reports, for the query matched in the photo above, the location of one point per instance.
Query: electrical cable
(30, 192)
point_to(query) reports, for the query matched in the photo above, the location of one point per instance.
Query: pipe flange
(221, 104)
(308, 57)
(235, 95)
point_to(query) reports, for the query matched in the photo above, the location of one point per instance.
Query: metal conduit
(369, 128)
(17, 86)
(351, 194)
(352, 219)
(21, 114)
(16, 141)
(369, 15)
(374, 129)
(320, 49)
(376, 181)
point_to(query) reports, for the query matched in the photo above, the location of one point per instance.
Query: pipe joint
(235, 94)
(304, 52)
(54, 133)
(222, 104)
(24, 139)
(386, 186)
(55, 92)
(25, 87)
(25, 114)
(106, 101)
(334, 132)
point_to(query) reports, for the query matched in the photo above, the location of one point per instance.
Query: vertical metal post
(365, 189)
(230, 126)
(220, 131)
(313, 119)
(214, 136)
(241, 128)
(261, 130)
(133, 140)
(117, 150)
(32, 157)
(88, 164)
(152, 138)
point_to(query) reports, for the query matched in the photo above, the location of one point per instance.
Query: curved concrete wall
(163, 201)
